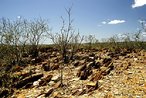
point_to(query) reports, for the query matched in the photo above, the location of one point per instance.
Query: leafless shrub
(90, 40)
(67, 41)
(139, 36)
(37, 29)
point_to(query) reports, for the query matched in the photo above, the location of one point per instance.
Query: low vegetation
(20, 47)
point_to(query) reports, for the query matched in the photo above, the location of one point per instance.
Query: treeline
(128, 41)
(22, 37)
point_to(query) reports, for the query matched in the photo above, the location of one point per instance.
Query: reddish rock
(75, 92)
(21, 96)
(82, 68)
(90, 59)
(97, 65)
(94, 64)
(79, 92)
(36, 60)
(91, 86)
(27, 80)
(46, 80)
(57, 85)
(106, 61)
(49, 92)
(76, 63)
(83, 75)
(54, 66)
(46, 66)
(57, 95)
(82, 92)
(96, 76)
(84, 71)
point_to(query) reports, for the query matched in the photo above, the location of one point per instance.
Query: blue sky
(102, 18)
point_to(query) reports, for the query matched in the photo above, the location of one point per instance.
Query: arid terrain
(72, 49)
(92, 74)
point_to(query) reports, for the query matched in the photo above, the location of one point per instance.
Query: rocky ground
(96, 74)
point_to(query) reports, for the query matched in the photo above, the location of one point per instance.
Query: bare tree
(127, 41)
(14, 35)
(75, 43)
(6, 41)
(9, 50)
(138, 36)
(63, 39)
(90, 40)
(36, 30)
(143, 25)
(66, 40)
(114, 41)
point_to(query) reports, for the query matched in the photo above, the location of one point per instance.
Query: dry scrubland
(94, 73)
(74, 66)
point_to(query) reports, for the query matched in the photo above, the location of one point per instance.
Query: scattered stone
(114, 75)
(44, 56)
(21, 96)
(90, 59)
(27, 80)
(107, 61)
(79, 92)
(28, 85)
(84, 57)
(91, 86)
(85, 73)
(82, 92)
(46, 66)
(97, 65)
(56, 60)
(57, 95)
(91, 64)
(82, 67)
(45, 80)
(75, 79)
(57, 85)
(97, 76)
(91, 54)
(109, 95)
(49, 92)
(75, 92)
(100, 81)
(108, 70)
(54, 54)
(56, 78)
(76, 63)
(54, 66)
(20, 75)
(36, 60)
(51, 83)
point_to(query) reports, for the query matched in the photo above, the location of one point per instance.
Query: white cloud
(18, 17)
(116, 21)
(104, 22)
(138, 3)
